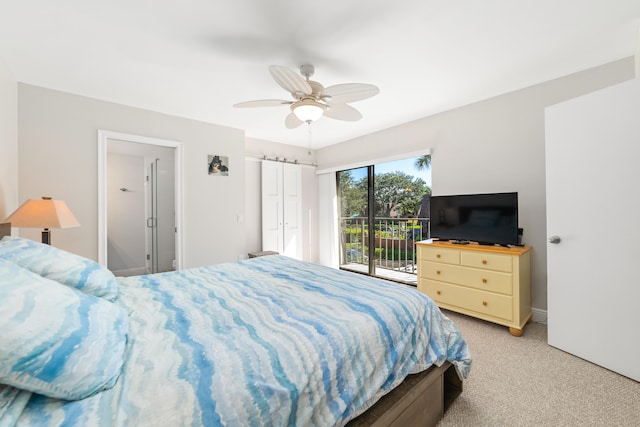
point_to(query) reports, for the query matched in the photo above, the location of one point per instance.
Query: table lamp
(45, 213)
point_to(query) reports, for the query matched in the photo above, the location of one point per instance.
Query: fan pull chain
(309, 137)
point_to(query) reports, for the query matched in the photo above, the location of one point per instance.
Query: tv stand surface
(488, 282)
(467, 242)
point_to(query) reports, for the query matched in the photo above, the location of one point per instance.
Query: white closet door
(272, 207)
(282, 208)
(592, 153)
(292, 201)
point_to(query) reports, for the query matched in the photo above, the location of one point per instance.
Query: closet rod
(280, 159)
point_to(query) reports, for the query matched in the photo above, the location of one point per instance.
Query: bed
(265, 341)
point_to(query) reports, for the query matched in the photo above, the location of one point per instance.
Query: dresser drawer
(449, 256)
(484, 280)
(487, 303)
(487, 261)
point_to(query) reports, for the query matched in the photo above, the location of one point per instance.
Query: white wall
(58, 156)
(8, 143)
(493, 145)
(255, 150)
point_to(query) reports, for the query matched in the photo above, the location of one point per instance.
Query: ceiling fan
(311, 100)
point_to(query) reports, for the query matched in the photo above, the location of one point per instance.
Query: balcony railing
(394, 242)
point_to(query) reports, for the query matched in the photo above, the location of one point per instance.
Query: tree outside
(423, 162)
(397, 195)
(353, 195)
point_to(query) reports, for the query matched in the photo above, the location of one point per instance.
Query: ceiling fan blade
(343, 112)
(292, 121)
(263, 103)
(350, 92)
(289, 80)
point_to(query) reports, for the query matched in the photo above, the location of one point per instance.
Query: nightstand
(261, 253)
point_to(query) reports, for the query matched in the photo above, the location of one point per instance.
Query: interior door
(592, 154)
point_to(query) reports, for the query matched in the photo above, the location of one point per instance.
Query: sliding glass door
(353, 189)
(383, 212)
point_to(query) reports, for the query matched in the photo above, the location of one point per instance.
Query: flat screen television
(483, 218)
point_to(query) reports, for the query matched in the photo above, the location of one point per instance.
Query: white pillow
(63, 267)
(57, 341)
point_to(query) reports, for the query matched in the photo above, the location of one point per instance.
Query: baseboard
(538, 315)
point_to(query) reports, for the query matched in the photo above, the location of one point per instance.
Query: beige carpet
(525, 382)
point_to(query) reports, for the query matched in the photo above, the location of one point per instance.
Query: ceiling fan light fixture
(311, 100)
(308, 110)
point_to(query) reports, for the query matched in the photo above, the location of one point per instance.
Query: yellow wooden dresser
(488, 282)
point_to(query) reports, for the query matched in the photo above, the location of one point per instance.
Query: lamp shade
(308, 110)
(45, 213)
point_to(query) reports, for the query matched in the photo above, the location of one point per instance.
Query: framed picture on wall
(218, 165)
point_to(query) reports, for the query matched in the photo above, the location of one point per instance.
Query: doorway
(139, 204)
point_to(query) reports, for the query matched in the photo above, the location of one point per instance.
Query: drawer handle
(484, 261)
(437, 255)
(485, 303)
(437, 271)
(438, 292)
(484, 280)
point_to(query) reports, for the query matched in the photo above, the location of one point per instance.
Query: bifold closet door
(282, 208)
(292, 209)
(272, 203)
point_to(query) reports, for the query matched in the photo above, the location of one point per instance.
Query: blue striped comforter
(267, 341)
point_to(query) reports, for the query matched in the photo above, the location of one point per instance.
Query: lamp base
(46, 236)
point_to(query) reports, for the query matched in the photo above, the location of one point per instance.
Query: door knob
(555, 239)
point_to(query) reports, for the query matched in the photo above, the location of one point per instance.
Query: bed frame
(420, 400)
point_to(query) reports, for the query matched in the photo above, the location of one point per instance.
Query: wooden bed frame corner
(420, 400)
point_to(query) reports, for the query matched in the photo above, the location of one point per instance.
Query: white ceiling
(196, 58)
